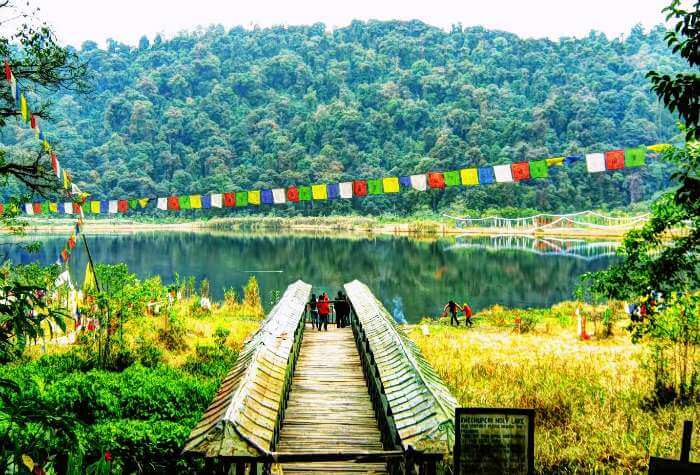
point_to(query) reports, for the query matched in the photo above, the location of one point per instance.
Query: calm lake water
(412, 278)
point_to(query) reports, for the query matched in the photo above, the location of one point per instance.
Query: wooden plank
(329, 406)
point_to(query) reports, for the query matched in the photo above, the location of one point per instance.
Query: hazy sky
(127, 20)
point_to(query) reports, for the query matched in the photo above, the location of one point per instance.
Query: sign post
(494, 441)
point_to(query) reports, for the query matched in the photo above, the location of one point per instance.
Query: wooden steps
(329, 407)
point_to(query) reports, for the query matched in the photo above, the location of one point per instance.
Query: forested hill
(221, 110)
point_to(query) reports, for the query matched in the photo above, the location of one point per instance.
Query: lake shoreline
(326, 225)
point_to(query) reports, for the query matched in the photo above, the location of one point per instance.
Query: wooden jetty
(360, 399)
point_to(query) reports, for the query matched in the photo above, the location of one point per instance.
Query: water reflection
(412, 278)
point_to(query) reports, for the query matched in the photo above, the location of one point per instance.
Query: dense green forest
(218, 110)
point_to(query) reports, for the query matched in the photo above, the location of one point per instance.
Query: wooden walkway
(329, 409)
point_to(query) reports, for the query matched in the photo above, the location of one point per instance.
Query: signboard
(494, 441)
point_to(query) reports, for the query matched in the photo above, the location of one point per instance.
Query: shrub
(210, 361)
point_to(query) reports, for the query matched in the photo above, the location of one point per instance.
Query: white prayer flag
(419, 182)
(68, 208)
(346, 190)
(113, 207)
(503, 173)
(279, 196)
(162, 204)
(216, 200)
(29, 209)
(595, 162)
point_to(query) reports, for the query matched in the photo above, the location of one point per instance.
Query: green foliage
(251, 293)
(240, 109)
(210, 361)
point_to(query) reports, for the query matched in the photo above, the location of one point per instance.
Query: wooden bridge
(360, 399)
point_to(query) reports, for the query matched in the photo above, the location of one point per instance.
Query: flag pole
(92, 265)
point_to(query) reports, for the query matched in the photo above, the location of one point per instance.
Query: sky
(75, 21)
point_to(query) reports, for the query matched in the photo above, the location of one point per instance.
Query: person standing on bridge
(452, 307)
(341, 310)
(313, 310)
(323, 311)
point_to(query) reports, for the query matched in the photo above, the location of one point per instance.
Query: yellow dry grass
(588, 396)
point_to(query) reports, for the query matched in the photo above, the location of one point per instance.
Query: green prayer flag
(133, 204)
(634, 157)
(241, 199)
(452, 178)
(539, 169)
(374, 186)
(304, 193)
(45, 207)
(184, 201)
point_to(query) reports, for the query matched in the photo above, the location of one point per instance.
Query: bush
(210, 361)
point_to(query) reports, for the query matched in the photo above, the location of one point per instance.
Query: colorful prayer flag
(173, 203)
(76, 208)
(333, 191)
(45, 207)
(595, 162)
(539, 169)
(293, 194)
(486, 175)
(452, 178)
(502, 173)
(8, 72)
(32, 121)
(37, 208)
(161, 204)
(520, 171)
(104, 207)
(469, 176)
(615, 159)
(206, 201)
(230, 200)
(436, 180)
(278, 196)
(217, 200)
(113, 207)
(635, 157)
(571, 159)
(195, 201)
(659, 147)
(419, 182)
(304, 193)
(405, 181)
(184, 201)
(374, 186)
(319, 192)
(254, 197)
(266, 197)
(53, 207)
(555, 161)
(23, 107)
(29, 209)
(390, 184)
(345, 190)
(359, 188)
(133, 203)
(241, 199)
(143, 202)
(122, 206)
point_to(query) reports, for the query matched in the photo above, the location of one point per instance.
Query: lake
(413, 278)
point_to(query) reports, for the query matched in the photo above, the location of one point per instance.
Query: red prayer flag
(359, 188)
(229, 200)
(2, 208)
(71, 242)
(293, 194)
(122, 206)
(521, 171)
(65, 255)
(32, 121)
(615, 160)
(8, 73)
(37, 208)
(54, 162)
(436, 180)
(76, 208)
(173, 203)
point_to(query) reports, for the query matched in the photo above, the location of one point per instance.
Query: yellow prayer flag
(36, 131)
(66, 180)
(47, 146)
(95, 207)
(53, 207)
(90, 281)
(23, 107)
(555, 161)
(659, 147)
(319, 192)
(143, 202)
(390, 184)
(469, 176)
(195, 201)
(254, 197)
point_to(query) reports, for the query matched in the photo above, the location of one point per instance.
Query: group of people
(453, 308)
(320, 309)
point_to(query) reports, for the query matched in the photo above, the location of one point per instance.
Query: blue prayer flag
(206, 201)
(333, 191)
(572, 159)
(486, 175)
(405, 181)
(266, 197)
(104, 207)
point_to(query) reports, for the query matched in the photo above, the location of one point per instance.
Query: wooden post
(685, 442)
(240, 468)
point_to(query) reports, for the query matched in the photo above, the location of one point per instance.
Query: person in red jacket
(467, 314)
(323, 311)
